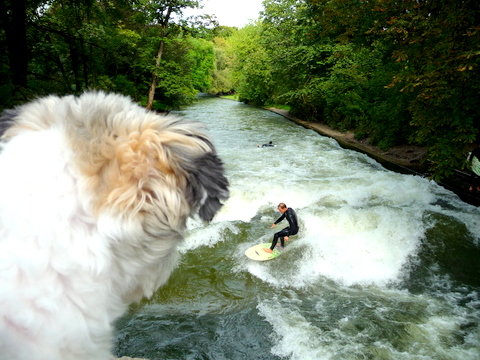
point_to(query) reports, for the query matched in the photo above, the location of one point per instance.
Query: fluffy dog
(94, 196)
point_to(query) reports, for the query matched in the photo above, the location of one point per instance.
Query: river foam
(385, 265)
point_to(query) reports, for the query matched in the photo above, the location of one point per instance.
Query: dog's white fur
(94, 195)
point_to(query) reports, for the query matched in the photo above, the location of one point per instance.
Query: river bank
(406, 159)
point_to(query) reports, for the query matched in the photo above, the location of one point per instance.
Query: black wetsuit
(292, 229)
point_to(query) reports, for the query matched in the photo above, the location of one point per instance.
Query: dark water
(385, 266)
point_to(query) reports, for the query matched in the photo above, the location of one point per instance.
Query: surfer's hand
(285, 238)
(273, 225)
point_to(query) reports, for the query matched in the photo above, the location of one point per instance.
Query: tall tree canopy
(161, 13)
(393, 71)
(67, 46)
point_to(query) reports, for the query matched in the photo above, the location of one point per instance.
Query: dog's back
(94, 195)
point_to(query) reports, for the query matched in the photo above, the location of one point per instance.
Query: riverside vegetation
(393, 72)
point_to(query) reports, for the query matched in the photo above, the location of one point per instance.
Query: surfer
(474, 180)
(270, 144)
(284, 234)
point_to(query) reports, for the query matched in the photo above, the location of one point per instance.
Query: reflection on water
(385, 266)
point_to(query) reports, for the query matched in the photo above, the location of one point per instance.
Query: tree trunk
(153, 86)
(12, 18)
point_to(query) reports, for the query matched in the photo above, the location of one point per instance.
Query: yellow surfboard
(257, 253)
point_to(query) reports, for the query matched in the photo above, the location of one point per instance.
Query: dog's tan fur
(122, 182)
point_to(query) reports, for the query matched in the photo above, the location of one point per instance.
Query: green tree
(13, 18)
(224, 56)
(397, 71)
(251, 71)
(202, 58)
(161, 13)
(437, 44)
(70, 44)
(297, 57)
(105, 44)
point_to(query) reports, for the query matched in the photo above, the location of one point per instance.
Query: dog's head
(137, 175)
(132, 158)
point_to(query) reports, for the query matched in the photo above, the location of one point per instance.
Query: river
(385, 265)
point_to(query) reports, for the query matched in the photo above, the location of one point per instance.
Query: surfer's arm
(279, 219)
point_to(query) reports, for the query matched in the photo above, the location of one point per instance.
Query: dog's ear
(168, 156)
(207, 185)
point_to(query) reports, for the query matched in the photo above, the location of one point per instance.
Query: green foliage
(251, 74)
(109, 45)
(392, 71)
(221, 76)
(184, 71)
(201, 57)
(437, 45)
